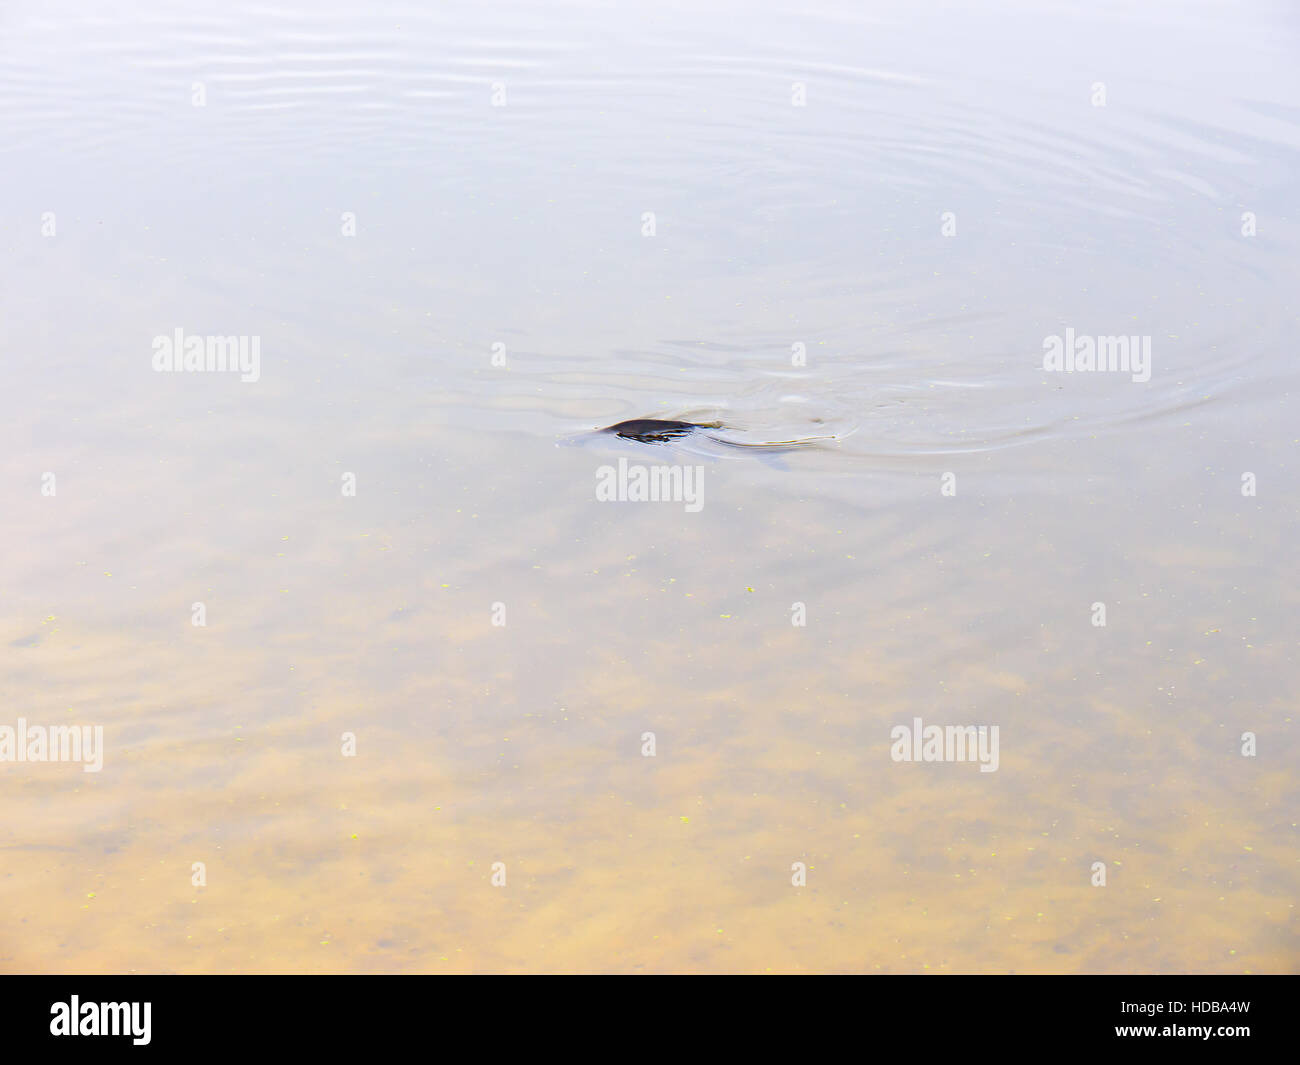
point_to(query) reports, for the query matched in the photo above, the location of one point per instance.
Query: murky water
(462, 236)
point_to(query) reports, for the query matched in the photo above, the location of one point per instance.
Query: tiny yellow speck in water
(686, 820)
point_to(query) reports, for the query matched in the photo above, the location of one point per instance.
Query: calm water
(464, 236)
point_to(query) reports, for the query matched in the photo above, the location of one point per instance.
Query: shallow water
(500, 297)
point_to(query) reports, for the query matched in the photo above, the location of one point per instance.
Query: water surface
(867, 220)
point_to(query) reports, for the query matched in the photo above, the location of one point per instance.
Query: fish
(656, 430)
(662, 431)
